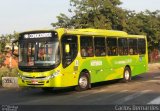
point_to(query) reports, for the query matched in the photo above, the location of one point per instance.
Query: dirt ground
(154, 67)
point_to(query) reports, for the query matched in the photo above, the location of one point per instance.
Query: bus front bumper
(50, 81)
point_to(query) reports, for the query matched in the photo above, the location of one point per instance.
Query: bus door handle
(100, 70)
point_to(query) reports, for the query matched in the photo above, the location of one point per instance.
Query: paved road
(143, 89)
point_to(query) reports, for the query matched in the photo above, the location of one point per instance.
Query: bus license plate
(34, 81)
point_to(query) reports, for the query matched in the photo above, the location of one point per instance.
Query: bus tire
(83, 82)
(127, 74)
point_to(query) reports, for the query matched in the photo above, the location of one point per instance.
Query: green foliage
(63, 21)
(8, 72)
(146, 23)
(2, 58)
(106, 14)
(2, 43)
(4, 40)
(7, 39)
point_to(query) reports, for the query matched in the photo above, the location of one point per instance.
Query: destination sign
(38, 35)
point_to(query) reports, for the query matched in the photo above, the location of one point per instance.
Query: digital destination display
(37, 35)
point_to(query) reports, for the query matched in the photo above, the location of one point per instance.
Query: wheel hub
(83, 82)
(126, 75)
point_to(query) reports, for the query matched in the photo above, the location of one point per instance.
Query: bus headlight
(52, 75)
(19, 75)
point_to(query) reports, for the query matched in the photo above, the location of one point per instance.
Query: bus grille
(35, 84)
(36, 77)
(39, 83)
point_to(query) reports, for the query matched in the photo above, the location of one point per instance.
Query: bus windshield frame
(38, 51)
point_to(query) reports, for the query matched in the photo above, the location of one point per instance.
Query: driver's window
(69, 49)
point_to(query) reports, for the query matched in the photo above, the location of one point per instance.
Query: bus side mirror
(14, 51)
(67, 48)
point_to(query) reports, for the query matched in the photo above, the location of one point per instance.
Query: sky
(141, 5)
(23, 15)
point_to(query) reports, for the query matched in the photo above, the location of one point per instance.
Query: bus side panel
(98, 68)
(119, 63)
(141, 65)
(103, 68)
(116, 67)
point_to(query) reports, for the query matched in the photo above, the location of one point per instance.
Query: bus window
(123, 46)
(68, 57)
(132, 46)
(31, 53)
(141, 46)
(42, 52)
(112, 46)
(99, 43)
(86, 46)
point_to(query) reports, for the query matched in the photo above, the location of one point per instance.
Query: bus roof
(96, 32)
(136, 36)
(92, 32)
(99, 32)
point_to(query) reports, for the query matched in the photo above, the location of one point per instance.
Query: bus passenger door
(69, 54)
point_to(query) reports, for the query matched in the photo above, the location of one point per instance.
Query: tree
(103, 14)
(2, 43)
(146, 23)
(63, 21)
(4, 40)
(7, 39)
(106, 14)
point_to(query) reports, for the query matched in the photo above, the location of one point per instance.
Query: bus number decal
(140, 58)
(76, 63)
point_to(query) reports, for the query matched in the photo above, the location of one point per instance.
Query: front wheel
(83, 82)
(127, 74)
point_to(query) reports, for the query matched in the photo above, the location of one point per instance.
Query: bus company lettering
(40, 35)
(96, 63)
(124, 62)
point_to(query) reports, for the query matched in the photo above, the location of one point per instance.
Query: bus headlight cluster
(52, 75)
(19, 75)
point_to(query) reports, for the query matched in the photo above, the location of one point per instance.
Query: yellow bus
(79, 57)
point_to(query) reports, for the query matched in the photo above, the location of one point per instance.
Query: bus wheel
(47, 89)
(83, 82)
(127, 74)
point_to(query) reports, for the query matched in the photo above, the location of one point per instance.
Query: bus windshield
(39, 52)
